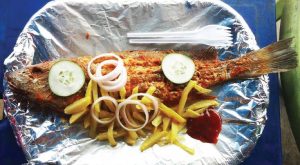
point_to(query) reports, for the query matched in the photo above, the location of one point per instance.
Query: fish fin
(209, 53)
(277, 57)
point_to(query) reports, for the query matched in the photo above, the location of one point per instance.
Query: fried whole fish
(144, 70)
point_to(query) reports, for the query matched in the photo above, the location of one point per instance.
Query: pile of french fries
(164, 129)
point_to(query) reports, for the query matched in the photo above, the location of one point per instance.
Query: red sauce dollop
(205, 128)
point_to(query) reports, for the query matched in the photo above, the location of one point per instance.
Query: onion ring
(111, 75)
(154, 102)
(121, 107)
(121, 82)
(125, 117)
(113, 100)
(109, 82)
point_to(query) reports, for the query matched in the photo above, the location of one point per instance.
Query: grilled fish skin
(144, 70)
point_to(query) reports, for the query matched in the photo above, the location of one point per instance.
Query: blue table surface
(260, 16)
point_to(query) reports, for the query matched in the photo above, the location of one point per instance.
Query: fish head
(31, 83)
(29, 80)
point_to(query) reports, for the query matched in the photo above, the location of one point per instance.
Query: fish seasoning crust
(144, 69)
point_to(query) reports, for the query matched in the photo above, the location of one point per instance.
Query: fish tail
(277, 57)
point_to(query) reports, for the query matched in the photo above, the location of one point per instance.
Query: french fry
(105, 114)
(130, 141)
(146, 100)
(166, 123)
(93, 123)
(87, 121)
(153, 139)
(93, 126)
(174, 132)
(117, 134)
(131, 138)
(88, 92)
(95, 95)
(157, 121)
(133, 135)
(110, 135)
(129, 116)
(123, 93)
(135, 90)
(165, 127)
(190, 114)
(184, 96)
(141, 133)
(175, 129)
(171, 113)
(150, 91)
(102, 136)
(154, 130)
(157, 129)
(76, 116)
(136, 115)
(107, 103)
(200, 111)
(78, 106)
(203, 104)
(184, 147)
(200, 89)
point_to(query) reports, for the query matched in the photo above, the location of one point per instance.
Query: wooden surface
(291, 155)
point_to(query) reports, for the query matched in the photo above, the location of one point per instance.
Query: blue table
(259, 14)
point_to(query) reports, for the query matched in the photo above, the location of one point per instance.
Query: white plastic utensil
(213, 35)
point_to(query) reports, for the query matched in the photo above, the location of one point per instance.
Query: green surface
(290, 27)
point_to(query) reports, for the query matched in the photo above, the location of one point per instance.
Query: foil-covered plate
(76, 28)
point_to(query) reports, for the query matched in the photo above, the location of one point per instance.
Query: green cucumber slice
(65, 78)
(178, 68)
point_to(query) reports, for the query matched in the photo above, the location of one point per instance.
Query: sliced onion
(109, 82)
(107, 62)
(121, 81)
(125, 117)
(154, 102)
(121, 108)
(113, 100)
(111, 75)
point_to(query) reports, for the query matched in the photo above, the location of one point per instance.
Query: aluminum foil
(77, 28)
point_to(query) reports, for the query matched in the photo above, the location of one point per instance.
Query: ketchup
(205, 128)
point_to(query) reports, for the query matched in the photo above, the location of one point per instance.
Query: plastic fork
(213, 35)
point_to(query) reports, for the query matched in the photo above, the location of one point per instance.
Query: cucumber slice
(178, 68)
(66, 78)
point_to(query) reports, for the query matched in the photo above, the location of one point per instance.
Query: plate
(73, 28)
